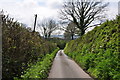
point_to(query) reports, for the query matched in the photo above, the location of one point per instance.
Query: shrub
(41, 68)
(20, 47)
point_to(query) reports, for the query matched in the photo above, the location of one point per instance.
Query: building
(119, 8)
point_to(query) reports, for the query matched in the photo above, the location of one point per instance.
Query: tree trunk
(45, 36)
(82, 32)
(49, 34)
(72, 36)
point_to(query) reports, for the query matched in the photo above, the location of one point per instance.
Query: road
(64, 67)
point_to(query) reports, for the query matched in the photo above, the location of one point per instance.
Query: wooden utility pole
(35, 22)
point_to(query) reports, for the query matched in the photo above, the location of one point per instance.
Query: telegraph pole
(35, 22)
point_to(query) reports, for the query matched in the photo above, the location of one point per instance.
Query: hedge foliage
(21, 47)
(41, 69)
(98, 51)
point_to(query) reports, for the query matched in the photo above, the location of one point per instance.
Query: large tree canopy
(82, 12)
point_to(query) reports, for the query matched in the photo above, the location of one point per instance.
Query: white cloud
(24, 10)
(111, 0)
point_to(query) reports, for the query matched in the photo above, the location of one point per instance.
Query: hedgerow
(41, 69)
(98, 51)
(21, 47)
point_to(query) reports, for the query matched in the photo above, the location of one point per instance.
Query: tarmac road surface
(64, 67)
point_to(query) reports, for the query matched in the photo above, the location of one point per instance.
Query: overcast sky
(24, 10)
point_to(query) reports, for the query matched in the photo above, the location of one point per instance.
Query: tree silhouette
(82, 12)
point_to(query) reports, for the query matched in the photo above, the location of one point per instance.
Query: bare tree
(43, 28)
(71, 30)
(48, 26)
(82, 12)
